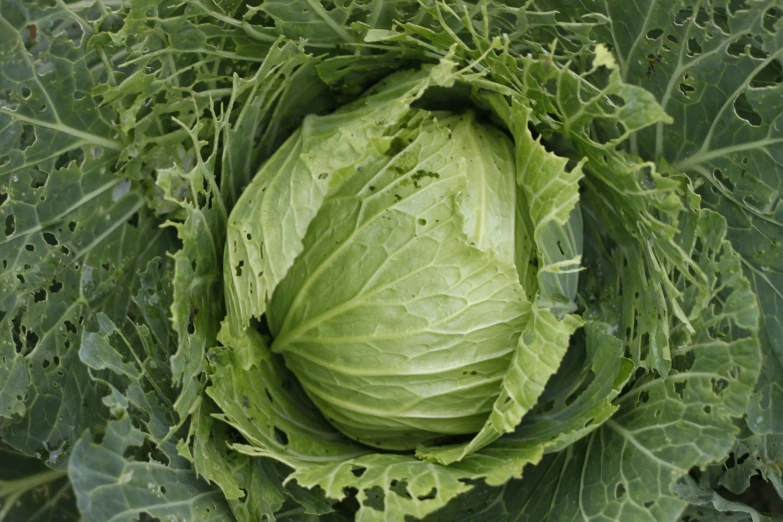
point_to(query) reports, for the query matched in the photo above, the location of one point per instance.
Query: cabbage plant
(390, 260)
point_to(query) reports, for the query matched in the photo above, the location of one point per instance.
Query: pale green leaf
(579, 398)
(265, 231)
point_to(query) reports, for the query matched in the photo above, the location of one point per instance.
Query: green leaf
(331, 24)
(285, 89)
(197, 286)
(723, 88)
(580, 397)
(732, 154)
(707, 514)
(319, 22)
(407, 486)
(716, 70)
(75, 230)
(753, 459)
(117, 478)
(253, 487)
(198, 300)
(550, 199)
(268, 390)
(116, 488)
(257, 259)
(699, 493)
(212, 460)
(132, 359)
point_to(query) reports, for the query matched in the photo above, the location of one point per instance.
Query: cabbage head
(391, 253)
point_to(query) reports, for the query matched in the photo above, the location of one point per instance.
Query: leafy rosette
(400, 285)
(390, 260)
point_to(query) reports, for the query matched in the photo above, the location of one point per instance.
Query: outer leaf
(162, 62)
(282, 92)
(706, 514)
(551, 196)
(197, 270)
(277, 397)
(754, 459)
(319, 22)
(734, 151)
(140, 354)
(701, 494)
(723, 88)
(765, 451)
(579, 398)
(716, 68)
(253, 487)
(116, 479)
(74, 230)
(332, 24)
(198, 298)
(635, 202)
(114, 488)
